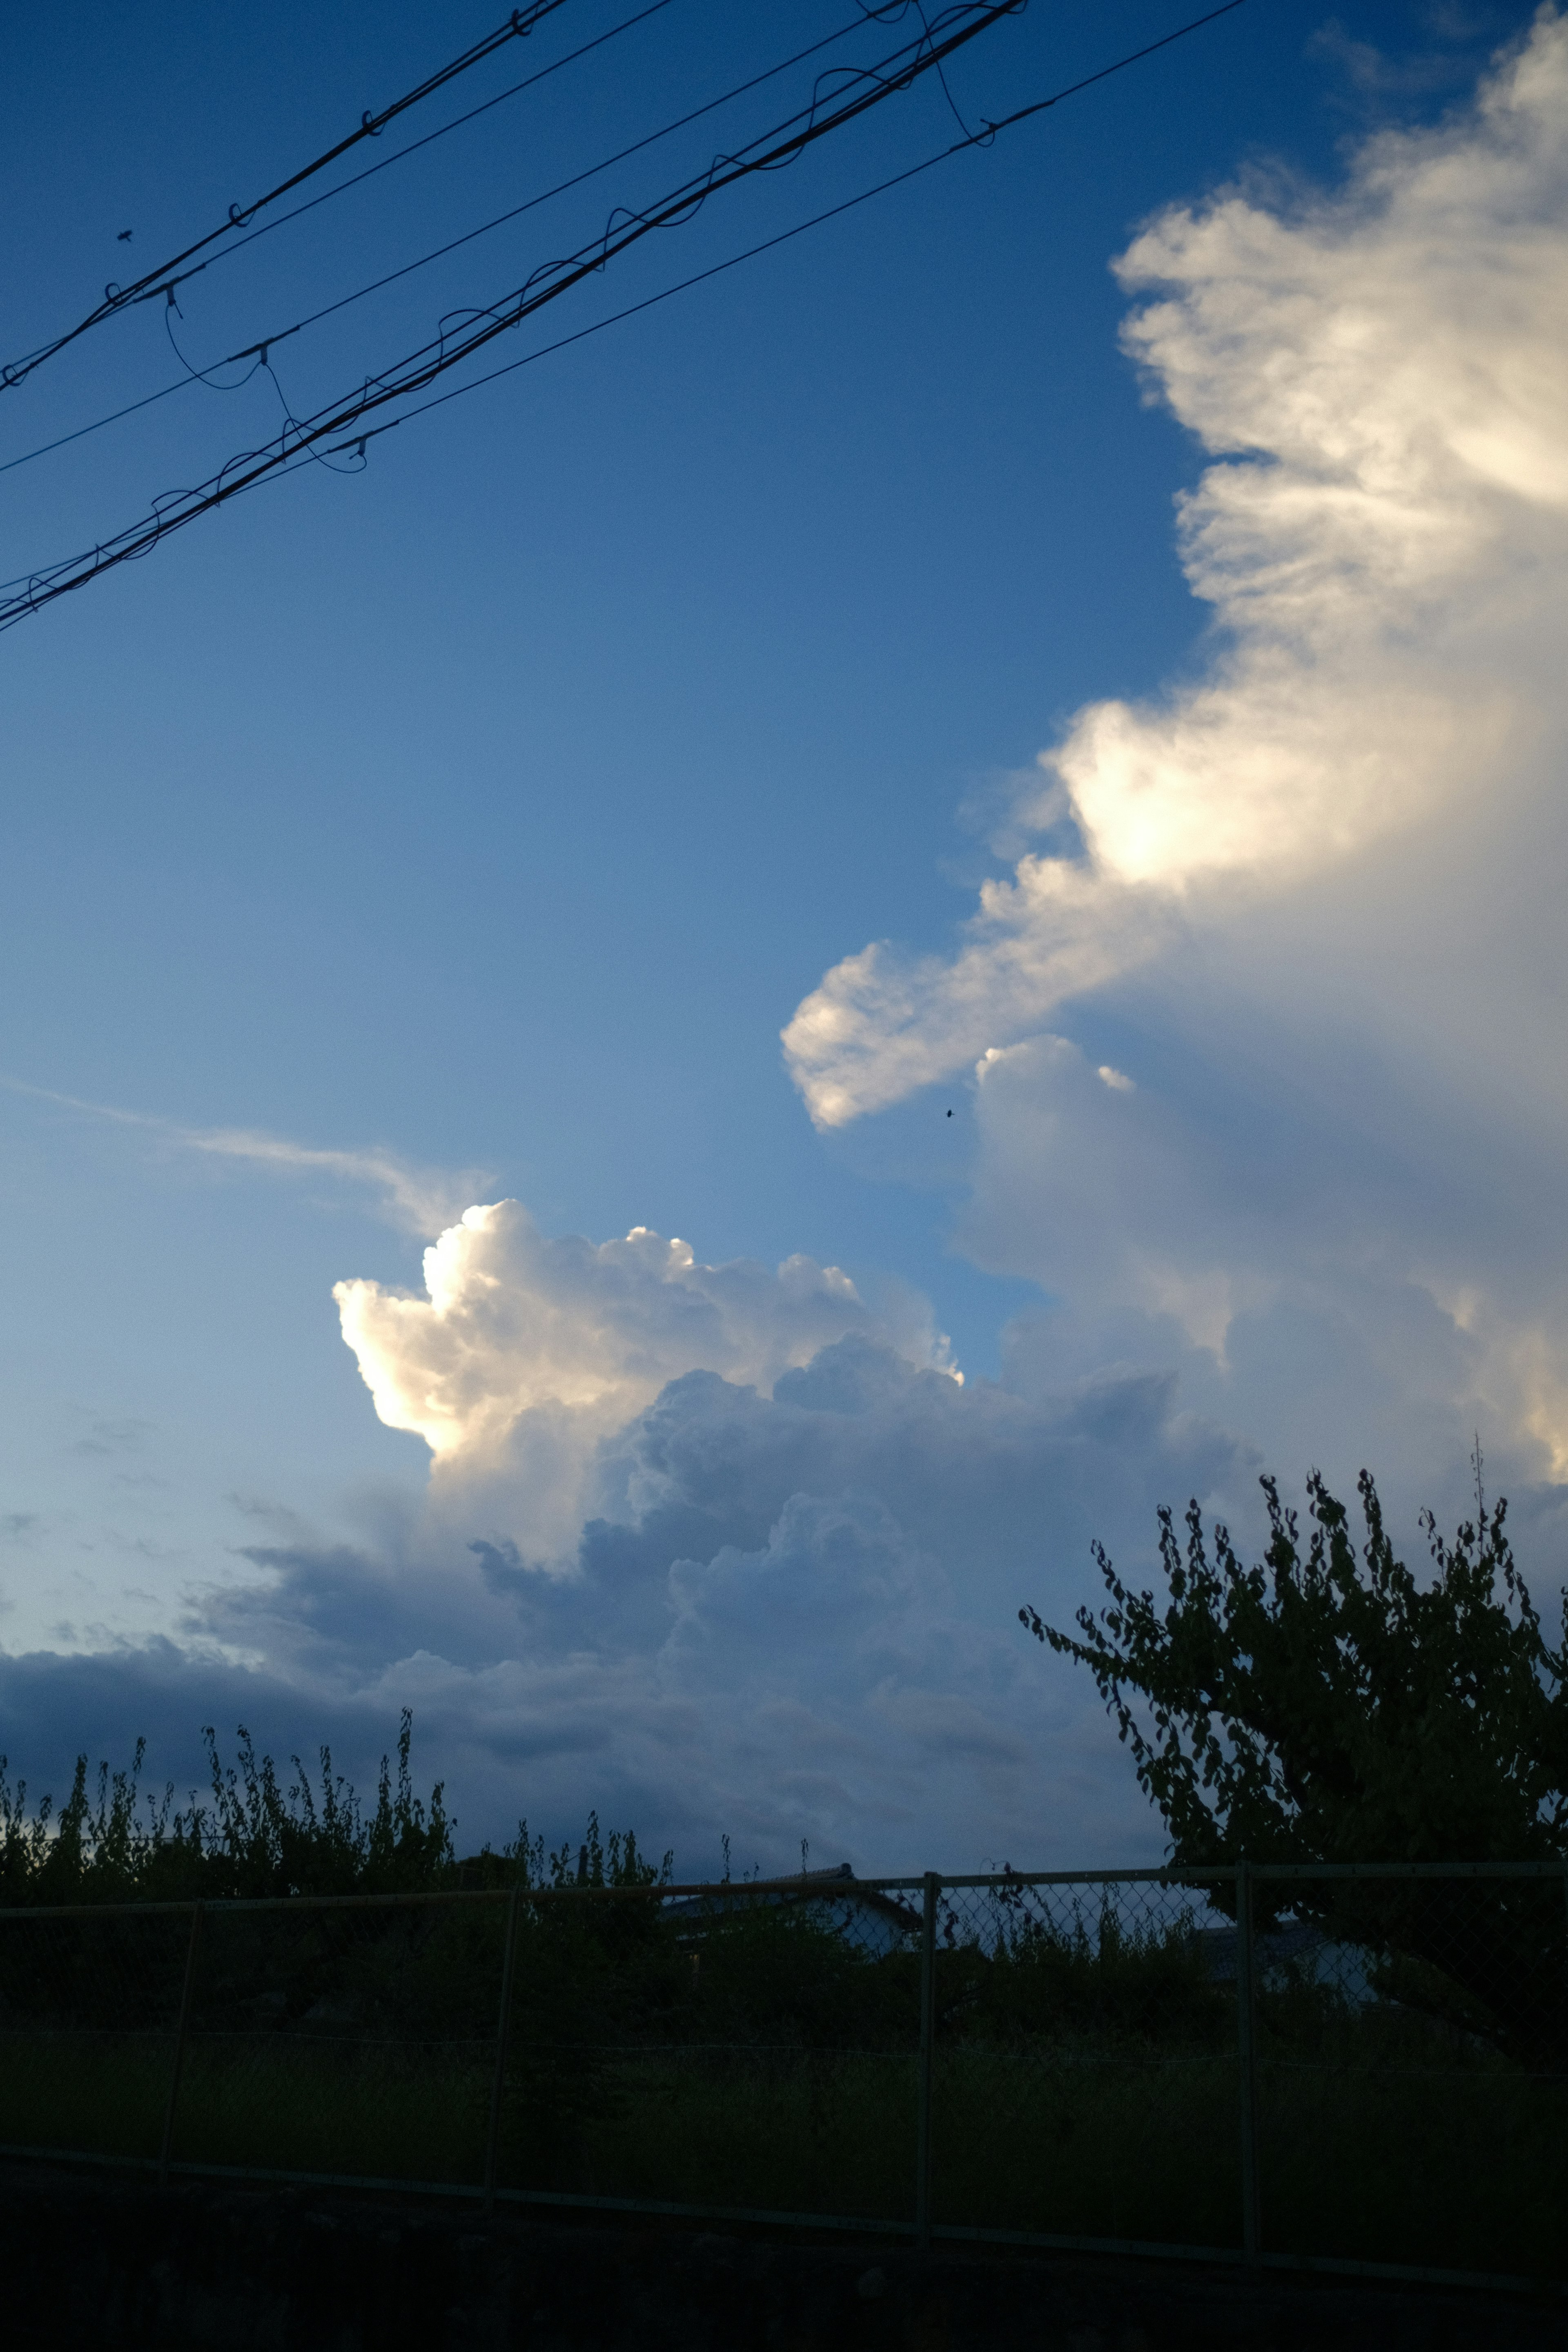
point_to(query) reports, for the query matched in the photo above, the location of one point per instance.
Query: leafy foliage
(1094, 1978)
(255, 1837)
(763, 1972)
(1327, 1706)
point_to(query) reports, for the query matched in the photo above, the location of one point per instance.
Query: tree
(1329, 1706)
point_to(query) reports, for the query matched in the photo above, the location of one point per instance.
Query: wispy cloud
(423, 1201)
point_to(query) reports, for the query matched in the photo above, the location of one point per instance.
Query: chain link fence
(1353, 2068)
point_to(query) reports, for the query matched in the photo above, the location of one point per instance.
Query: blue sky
(467, 830)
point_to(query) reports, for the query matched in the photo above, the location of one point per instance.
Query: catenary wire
(544, 351)
(138, 540)
(701, 278)
(638, 225)
(45, 447)
(281, 220)
(252, 350)
(789, 139)
(990, 129)
(521, 22)
(269, 464)
(530, 204)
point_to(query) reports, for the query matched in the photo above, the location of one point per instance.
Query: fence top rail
(726, 1892)
(1224, 1873)
(1554, 1866)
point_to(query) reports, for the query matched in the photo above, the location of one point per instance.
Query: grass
(415, 2111)
(1457, 2167)
(1085, 2081)
(1082, 2144)
(106, 2093)
(791, 2130)
(1462, 2166)
(284, 2103)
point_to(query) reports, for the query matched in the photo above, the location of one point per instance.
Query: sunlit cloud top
(1382, 377)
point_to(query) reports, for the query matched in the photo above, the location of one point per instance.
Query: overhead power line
(562, 187)
(161, 281)
(281, 334)
(285, 454)
(521, 22)
(865, 88)
(786, 236)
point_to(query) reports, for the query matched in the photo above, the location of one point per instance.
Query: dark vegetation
(747, 2050)
(253, 1838)
(1327, 1705)
(1085, 2077)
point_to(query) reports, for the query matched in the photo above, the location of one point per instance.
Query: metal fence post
(1246, 2054)
(928, 2046)
(504, 2034)
(181, 2031)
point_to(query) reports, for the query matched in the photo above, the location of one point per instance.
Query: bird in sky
(124, 238)
(950, 1114)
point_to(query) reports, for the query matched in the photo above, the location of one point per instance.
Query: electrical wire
(401, 154)
(517, 26)
(532, 204)
(46, 447)
(271, 464)
(718, 268)
(265, 344)
(959, 146)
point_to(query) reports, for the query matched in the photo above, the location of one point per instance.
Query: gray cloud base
(803, 1626)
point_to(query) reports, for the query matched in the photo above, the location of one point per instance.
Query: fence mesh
(1366, 2067)
(90, 2008)
(1086, 2077)
(356, 2040)
(1411, 2050)
(730, 2048)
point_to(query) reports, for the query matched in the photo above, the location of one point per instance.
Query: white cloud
(1357, 1265)
(795, 1617)
(1318, 887)
(1382, 375)
(525, 1352)
(1318, 913)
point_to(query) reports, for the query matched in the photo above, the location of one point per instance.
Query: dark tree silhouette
(1328, 1705)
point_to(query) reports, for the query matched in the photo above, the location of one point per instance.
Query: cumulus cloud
(1353, 1265)
(794, 1617)
(1313, 916)
(786, 1548)
(526, 1352)
(1313, 902)
(1382, 376)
